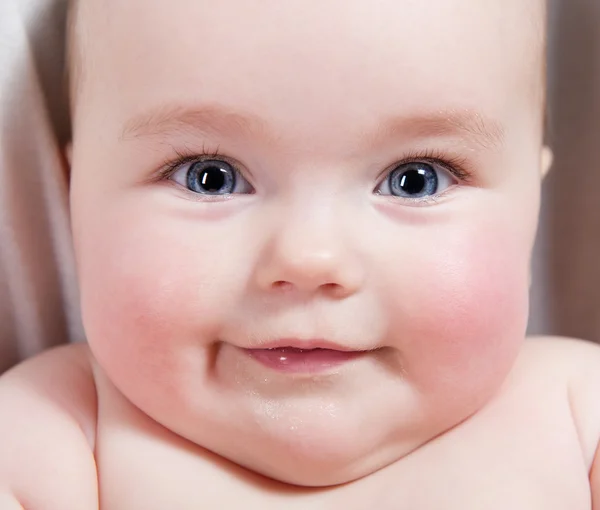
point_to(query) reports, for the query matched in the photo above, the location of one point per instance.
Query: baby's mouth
(301, 360)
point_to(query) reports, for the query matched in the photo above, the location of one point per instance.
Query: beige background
(37, 288)
(38, 297)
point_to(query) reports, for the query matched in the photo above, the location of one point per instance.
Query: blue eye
(213, 177)
(416, 180)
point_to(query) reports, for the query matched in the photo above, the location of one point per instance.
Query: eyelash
(182, 158)
(455, 165)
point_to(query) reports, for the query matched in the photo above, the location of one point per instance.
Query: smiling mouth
(302, 360)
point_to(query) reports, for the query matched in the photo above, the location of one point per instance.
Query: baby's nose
(310, 252)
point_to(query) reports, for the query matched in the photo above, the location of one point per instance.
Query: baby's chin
(328, 460)
(312, 442)
(323, 453)
(317, 453)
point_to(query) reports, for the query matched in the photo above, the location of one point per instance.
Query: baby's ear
(546, 160)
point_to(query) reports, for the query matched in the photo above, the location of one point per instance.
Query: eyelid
(171, 166)
(457, 166)
(184, 157)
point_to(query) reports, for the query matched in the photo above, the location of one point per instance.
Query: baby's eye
(211, 177)
(416, 180)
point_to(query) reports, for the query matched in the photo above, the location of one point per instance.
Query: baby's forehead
(305, 48)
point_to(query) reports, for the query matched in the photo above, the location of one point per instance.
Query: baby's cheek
(121, 299)
(466, 319)
(153, 301)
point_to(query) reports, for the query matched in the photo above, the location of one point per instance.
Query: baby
(303, 234)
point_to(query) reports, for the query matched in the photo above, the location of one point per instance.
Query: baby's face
(353, 175)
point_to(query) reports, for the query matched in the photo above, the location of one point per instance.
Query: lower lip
(291, 360)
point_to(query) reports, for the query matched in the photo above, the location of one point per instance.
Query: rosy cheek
(150, 308)
(466, 313)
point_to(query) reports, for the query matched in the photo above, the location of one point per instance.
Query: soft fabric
(38, 297)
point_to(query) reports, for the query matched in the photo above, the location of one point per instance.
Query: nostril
(282, 285)
(335, 290)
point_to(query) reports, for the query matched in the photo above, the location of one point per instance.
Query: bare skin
(259, 188)
(531, 447)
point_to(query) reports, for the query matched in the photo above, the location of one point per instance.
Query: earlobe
(546, 160)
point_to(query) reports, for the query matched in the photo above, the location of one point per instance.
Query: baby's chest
(520, 469)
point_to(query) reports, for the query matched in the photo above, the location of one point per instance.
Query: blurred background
(38, 295)
(566, 266)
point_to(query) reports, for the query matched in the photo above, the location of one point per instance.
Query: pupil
(212, 179)
(413, 182)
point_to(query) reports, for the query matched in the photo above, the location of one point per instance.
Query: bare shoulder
(59, 379)
(47, 431)
(577, 363)
(563, 351)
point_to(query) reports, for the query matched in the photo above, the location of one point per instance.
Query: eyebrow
(208, 119)
(467, 124)
(217, 120)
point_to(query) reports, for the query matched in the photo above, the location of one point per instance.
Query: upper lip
(297, 343)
